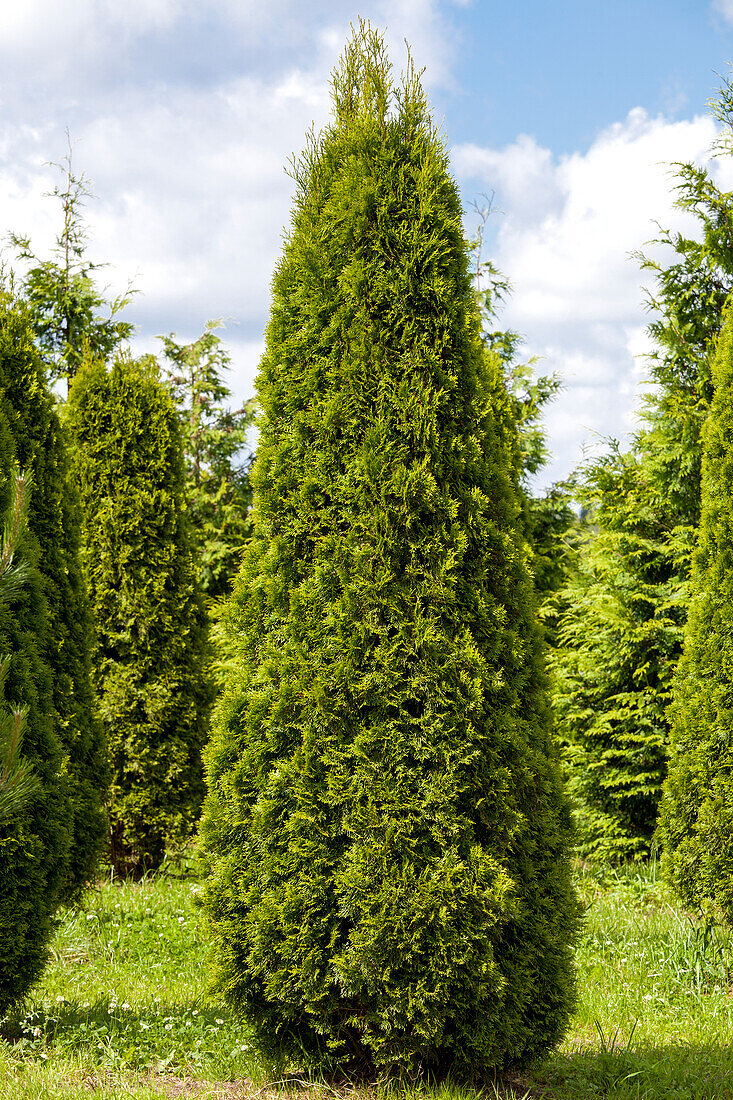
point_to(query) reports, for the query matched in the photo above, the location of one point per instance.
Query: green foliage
(697, 820)
(386, 829)
(151, 667)
(622, 615)
(17, 782)
(63, 297)
(36, 839)
(54, 522)
(217, 472)
(618, 639)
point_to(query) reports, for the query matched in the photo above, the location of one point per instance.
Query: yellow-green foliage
(386, 828)
(151, 664)
(697, 807)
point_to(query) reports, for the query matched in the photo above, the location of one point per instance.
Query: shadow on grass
(674, 1072)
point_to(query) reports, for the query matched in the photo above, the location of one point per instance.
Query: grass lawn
(123, 1009)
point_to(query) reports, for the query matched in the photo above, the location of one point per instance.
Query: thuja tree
(54, 522)
(697, 815)
(151, 665)
(36, 837)
(623, 612)
(386, 829)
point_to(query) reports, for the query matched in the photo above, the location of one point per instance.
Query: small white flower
(168, 1027)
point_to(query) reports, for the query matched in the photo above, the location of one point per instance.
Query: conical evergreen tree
(386, 828)
(697, 811)
(151, 666)
(54, 521)
(36, 839)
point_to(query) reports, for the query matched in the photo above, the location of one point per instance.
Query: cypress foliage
(36, 839)
(385, 826)
(697, 816)
(54, 521)
(151, 666)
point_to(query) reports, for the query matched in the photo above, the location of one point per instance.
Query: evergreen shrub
(36, 837)
(386, 828)
(152, 664)
(696, 825)
(54, 520)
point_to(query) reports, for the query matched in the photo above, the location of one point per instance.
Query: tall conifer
(386, 827)
(36, 839)
(151, 665)
(697, 814)
(54, 521)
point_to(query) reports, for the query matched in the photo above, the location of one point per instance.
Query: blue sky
(562, 70)
(185, 112)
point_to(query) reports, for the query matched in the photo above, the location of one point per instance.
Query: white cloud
(724, 8)
(564, 240)
(184, 117)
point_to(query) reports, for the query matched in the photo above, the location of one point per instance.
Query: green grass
(655, 1018)
(123, 1009)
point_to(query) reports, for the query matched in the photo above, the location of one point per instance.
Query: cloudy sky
(185, 112)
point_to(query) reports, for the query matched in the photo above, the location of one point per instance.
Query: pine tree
(386, 828)
(151, 666)
(618, 640)
(18, 784)
(54, 522)
(218, 490)
(697, 816)
(36, 837)
(64, 301)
